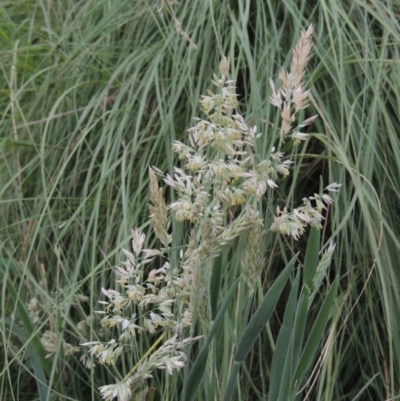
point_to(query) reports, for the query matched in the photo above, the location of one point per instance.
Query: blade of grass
(281, 348)
(256, 324)
(197, 370)
(316, 333)
(295, 346)
(311, 258)
(31, 333)
(39, 375)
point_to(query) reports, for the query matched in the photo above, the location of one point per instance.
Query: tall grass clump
(93, 94)
(221, 168)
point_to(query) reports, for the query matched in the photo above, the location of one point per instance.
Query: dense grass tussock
(95, 92)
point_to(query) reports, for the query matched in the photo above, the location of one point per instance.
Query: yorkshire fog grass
(95, 92)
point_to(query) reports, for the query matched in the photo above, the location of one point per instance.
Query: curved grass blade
(300, 319)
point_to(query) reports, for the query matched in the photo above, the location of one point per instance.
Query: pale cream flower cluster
(221, 160)
(162, 358)
(51, 339)
(294, 223)
(155, 296)
(291, 97)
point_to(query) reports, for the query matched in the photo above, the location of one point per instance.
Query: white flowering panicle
(290, 98)
(294, 223)
(220, 169)
(221, 163)
(155, 296)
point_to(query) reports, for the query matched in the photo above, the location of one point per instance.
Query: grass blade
(24, 316)
(366, 385)
(230, 388)
(281, 348)
(311, 258)
(215, 285)
(39, 375)
(256, 324)
(196, 373)
(261, 317)
(295, 346)
(316, 333)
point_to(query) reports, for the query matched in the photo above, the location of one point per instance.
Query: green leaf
(39, 376)
(366, 385)
(256, 324)
(196, 373)
(316, 333)
(295, 346)
(230, 387)
(33, 336)
(311, 259)
(12, 143)
(215, 285)
(281, 348)
(261, 317)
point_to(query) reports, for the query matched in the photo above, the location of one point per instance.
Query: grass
(94, 92)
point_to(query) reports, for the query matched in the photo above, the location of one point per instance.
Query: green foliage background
(93, 92)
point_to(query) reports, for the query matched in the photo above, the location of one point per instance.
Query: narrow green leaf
(261, 317)
(196, 373)
(281, 347)
(366, 385)
(215, 285)
(39, 376)
(295, 346)
(11, 143)
(256, 324)
(316, 333)
(230, 387)
(5, 37)
(24, 316)
(311, 259)
(299, 328)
